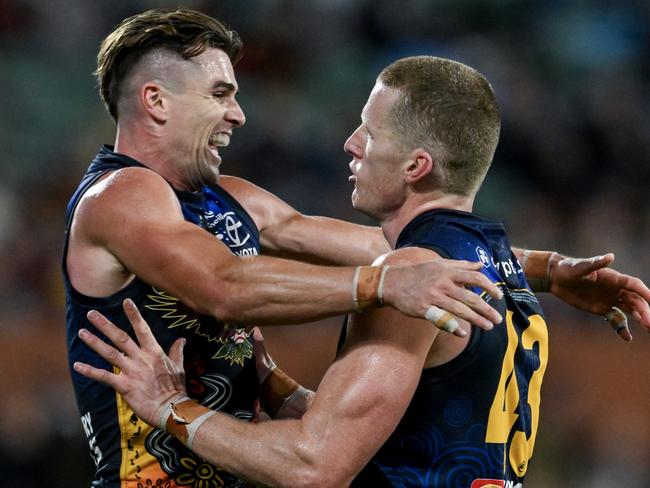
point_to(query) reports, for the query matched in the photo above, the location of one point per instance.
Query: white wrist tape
(167, 410)
(380, 288)
(296, 404)
(192, 427)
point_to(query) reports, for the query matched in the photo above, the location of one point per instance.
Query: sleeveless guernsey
(472, 422)
(219, 365)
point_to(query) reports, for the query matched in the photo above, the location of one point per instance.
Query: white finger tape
(441, 319)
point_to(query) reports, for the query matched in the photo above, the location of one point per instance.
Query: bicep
(138, 220)
(366, 391)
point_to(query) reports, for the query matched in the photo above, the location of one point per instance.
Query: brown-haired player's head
(448, 109)
(185, 33)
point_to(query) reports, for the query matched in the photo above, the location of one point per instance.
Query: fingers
(117, 336)
(460, 304)
(584, 266)
(460, 264)
(98, 374)
(257, 334)
(618, 321)
(474, 278)
(176, 352)
(636, 306)
(108, 352)
(140, 326)
(637, 286)
(444, 321)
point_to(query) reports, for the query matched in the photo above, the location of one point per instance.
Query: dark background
(571, 173)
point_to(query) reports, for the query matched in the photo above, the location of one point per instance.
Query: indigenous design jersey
(220, 371)
(472, 421)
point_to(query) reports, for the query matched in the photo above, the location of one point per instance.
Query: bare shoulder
(124, 196)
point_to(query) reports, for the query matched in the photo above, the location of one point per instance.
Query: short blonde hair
(448, 109)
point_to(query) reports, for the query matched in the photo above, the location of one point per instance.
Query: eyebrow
(224, 84)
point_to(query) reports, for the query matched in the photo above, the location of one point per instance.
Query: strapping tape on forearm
(275, 390)
(368, 286)
(537, 268)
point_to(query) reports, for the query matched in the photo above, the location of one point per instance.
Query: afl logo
(483, 256)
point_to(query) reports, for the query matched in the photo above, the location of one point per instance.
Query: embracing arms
(359, 402)
(585, 283)
(130, 224)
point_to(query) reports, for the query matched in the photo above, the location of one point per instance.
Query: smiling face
(201, 114)
(377, 159)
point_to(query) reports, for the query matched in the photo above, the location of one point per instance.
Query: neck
(145, 146)
(393, 225)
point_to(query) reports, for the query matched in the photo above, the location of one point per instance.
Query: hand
(442, 283)
(263, 361)
(588, 284)
(148, 378)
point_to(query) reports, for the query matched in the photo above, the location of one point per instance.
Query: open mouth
(217, 140)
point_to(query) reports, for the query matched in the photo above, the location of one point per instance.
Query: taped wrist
(275, 391)
(368, 286)
(296, 405)
(537, 268)
(182, 417)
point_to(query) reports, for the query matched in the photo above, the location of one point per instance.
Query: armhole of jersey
(73, 293)
(464, 360)
(70, 215)
(437, 249)
(460, 363)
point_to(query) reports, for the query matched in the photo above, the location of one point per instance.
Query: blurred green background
(572, 173)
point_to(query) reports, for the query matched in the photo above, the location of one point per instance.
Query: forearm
(265, 291)
(326, 241)
(273, 453)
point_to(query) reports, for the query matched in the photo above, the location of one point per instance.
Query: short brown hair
(183, 31)
(448, 109)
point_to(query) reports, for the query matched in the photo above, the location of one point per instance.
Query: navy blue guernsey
(219, 365)
(472, 421)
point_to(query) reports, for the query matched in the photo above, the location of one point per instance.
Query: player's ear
(419, 165)
(154, 101)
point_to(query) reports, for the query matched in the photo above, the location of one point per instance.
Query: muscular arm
(287, 233)
(132, 221)
(589, 284)
(358, 404)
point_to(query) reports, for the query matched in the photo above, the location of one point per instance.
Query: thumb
(587, 266)
(176, 352)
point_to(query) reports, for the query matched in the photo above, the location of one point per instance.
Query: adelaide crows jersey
(219, 365)
(472, 421)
